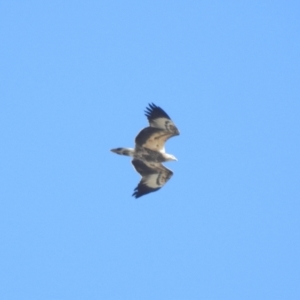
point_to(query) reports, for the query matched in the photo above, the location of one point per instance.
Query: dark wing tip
(154, 112)
(142, 190)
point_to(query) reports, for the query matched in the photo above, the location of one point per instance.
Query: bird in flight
(149, 151)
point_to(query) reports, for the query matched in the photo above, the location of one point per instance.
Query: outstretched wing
(153, 138)
(158, 118)
(154, 176)
(161, 129)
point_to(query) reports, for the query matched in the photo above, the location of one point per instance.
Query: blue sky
(75, 79)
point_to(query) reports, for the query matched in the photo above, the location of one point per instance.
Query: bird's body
(149, 151)
(145, 154)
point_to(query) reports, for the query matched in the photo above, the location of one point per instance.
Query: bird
(149, 151)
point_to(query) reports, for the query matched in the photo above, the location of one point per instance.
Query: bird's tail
(123, 151)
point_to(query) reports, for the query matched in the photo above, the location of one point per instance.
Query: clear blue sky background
(76, 77)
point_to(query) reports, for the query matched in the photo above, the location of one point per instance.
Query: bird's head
(170, 157)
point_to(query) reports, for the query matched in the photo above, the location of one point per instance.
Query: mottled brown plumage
(149, 151)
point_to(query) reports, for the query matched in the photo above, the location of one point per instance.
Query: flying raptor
(149, 151)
